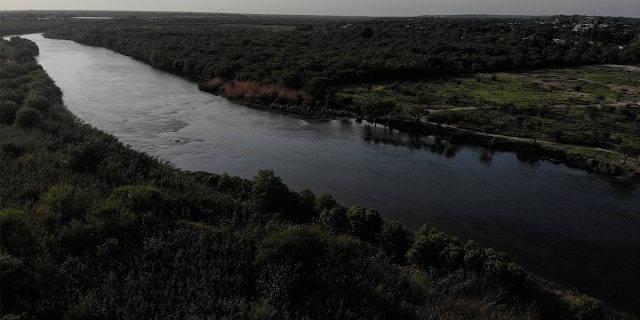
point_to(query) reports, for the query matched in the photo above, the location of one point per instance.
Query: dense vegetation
(337, 67)
(315, 58)
(595, 106)
(93, 229)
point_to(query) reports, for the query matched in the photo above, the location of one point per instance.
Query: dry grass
(254, 89)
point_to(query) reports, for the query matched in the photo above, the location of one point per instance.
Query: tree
(377, 108)
(16, 235)
(27, 117)
(396, 241)
(324, 202)
(8, 111)
(629, 149)
(269, 190)
(366, 33)
(334, 219)
(364, 223)
(291, 79)
(428, 247)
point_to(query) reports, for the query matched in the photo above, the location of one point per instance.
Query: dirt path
(494, 135)
(456, 109)
(624, 67)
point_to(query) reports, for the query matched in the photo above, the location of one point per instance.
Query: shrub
(269, 190)
(396, 241)
(37, 101)
(428, 247)
(306, 202)
(8, 111)
(334, 219)
(586, 308)
(364, 223)
(137, 198)
(27, 117)
(324, 202)
(15, 231)
(69, 201)
(296, 245)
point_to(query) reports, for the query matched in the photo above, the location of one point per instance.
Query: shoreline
(525, 148)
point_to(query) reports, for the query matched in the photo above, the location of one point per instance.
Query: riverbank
(527, 104)
(361, 164)
(586, 158)
(585, 116)
(591, 159)
(93, 228)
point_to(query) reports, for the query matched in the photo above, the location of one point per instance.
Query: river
(570, 226)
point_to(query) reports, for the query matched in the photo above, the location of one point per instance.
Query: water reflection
(527, 209)
(486, 156)
(385, 135)
(528, 159)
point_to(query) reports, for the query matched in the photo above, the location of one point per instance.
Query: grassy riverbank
(588, 117)
(94, 229)
(390, 70)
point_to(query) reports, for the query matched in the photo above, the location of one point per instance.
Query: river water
(579, 229)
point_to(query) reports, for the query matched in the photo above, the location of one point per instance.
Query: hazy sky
(628, 8)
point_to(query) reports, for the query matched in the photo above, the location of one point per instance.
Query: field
(586, 109)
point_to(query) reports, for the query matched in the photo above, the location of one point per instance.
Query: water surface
(576, 228)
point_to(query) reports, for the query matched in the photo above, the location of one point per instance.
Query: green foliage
(629, 148)
(334, 53)
(375, 109)
(37, 101)
(324, 202)
(428, 247)
(27, 117)
(396, 241)
(436, 250)
(291, 79)
(364, 223)
(24, 50)
(265, 311)
(9, 264)
(298, 245)
(587, 308)
(307, 199)
(16, 236)
(8, 111)
(539, 105)
(137, 198)
(102, 231)
(269, 190)
(63, 203)
(334, 219)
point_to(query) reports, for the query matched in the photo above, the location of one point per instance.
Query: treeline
(317, 58)
(93, 229)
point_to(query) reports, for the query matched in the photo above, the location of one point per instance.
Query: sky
(627, 8)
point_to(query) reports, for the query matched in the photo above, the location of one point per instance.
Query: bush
(15, 232)
(306, 202)
(8, 111)
(364, 223)
(66, 202)
(586, 308)
(324, 202)
(334, 219)
(37, 102)
(396, 241)
(27, 117)
(299, 245)
(271, 193)
(427, 248)
(137, 198)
